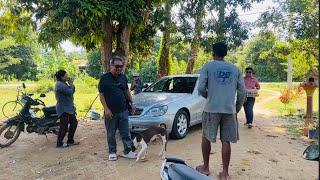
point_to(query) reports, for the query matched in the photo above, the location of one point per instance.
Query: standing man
(64, 90)
(115, 96)
(137, 84)
(220, 83)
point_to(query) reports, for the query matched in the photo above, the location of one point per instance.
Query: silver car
(172, 102)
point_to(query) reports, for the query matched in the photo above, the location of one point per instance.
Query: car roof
(183, 75)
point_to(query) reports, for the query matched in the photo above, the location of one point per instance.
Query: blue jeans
(118, 121)
(248, 109)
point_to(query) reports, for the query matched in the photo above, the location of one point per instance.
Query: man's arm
(101, 88)
(132, 85)
(65, 89)
(241, 92)
(203, 83)
(129, 96)
(103, 101)
(257, 85)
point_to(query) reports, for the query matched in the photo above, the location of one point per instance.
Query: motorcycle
(47, 123)
(177, 169)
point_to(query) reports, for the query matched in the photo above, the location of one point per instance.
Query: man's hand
(70, 80)
(108, 113)
(133, 108)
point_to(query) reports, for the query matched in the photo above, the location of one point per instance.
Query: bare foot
(224, 176)
(203, 170)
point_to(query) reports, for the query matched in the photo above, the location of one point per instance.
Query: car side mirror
(42, 95)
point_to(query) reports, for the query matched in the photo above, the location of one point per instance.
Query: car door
(198, 103)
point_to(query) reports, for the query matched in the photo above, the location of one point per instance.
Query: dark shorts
(228, 127)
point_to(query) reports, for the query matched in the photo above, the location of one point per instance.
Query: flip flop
(200, 170)
(220, 176)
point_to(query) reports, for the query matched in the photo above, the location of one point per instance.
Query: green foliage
(149, 70)
(51, 62)
(18, 63)
(203, 58)
(260, 54)
(43, 86)
(94, 68)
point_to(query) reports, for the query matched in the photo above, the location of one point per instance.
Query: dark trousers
(248, 109)
(118, 121)
(66, 119)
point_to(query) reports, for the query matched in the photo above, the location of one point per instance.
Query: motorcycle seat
(50, 111)
(183, 172)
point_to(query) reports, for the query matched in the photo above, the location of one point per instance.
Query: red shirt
(251, 82)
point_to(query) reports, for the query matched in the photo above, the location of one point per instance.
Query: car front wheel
(180, 125)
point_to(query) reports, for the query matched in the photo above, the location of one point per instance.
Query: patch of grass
(86, 92)
(276, 105)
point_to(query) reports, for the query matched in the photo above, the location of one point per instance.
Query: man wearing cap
(221, 83)
(137, 84)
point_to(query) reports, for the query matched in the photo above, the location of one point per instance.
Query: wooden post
(289, 74)
(309, 89)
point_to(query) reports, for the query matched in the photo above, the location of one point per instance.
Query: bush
(43, 86)
(94, 64)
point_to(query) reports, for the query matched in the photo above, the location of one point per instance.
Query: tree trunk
(195, 44)
(221, 27)
(106, 45)
(123, 45)
(164, 58)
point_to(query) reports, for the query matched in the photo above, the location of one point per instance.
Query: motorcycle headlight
(157, 111)
(23, 101)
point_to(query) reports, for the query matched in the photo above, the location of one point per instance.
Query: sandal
(200, 170)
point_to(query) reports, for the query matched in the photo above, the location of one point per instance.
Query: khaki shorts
(228, 127)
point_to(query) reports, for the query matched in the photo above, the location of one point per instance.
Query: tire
(180, 125)
(3, 130)
(11, 108)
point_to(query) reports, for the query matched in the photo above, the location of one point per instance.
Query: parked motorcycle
(12, 127)
(177, 169)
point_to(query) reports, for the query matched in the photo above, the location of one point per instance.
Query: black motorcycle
(47, 123)
(177, 169)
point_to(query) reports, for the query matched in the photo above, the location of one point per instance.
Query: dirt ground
(263, 152)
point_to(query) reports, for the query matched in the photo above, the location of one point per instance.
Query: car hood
(146, 99)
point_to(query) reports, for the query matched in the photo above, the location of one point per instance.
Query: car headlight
(157, 111)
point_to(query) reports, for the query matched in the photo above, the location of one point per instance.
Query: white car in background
(172, 102)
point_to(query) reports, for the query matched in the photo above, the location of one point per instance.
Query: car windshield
(173, 85)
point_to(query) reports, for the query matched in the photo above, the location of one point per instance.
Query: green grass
(300, 103)
(86, 92)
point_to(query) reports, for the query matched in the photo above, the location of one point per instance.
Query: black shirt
(113, 89)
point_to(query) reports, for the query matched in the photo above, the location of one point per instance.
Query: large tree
(165, 56)
(108, 24)
(297, 22)
(214, 21)
(17, 46)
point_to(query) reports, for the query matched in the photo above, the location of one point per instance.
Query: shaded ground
(264, 152)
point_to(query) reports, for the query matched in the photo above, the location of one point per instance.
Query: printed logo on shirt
(223, 76)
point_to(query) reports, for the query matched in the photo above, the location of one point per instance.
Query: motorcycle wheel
(8, 136)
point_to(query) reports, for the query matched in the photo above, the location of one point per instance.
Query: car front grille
(138, 112)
